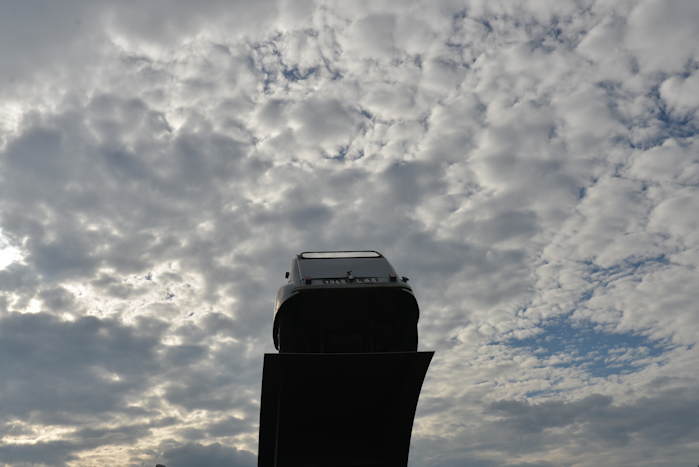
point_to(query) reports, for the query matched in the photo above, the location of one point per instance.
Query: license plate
(356, 280)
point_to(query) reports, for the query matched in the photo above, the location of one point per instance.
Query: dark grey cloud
(668, 416)
(17, 278)
(409, 182)
(39, 34)
(59, 372)
(58, 299)
(64, 452)
(593, 429)
(227, 427)
(213, 389)
(207, 455)
(55, 453)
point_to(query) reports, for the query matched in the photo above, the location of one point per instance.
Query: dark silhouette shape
(345, 302)
(343, 390)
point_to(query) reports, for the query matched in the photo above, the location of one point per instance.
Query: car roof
(329, 264)
(340, 254)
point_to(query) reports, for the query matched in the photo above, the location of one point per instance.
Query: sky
(533, 167)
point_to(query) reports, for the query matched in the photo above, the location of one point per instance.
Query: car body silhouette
(344, 302)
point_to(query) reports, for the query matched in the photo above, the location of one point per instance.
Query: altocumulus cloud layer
(533, 166)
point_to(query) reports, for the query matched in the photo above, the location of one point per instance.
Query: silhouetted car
(344, 301)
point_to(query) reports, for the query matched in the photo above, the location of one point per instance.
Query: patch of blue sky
(632, 265)
(676, 124)
(544, 392)
(587, 346)
(295, 74)
(672, 124)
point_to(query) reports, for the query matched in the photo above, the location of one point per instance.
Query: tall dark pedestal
(339, 410)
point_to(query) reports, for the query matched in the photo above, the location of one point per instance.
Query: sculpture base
(339, 410)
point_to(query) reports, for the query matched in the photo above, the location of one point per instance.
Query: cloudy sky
(533, 167)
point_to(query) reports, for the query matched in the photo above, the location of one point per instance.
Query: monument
(343, 389)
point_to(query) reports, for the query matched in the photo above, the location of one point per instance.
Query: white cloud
(681, 93)
(662, 37)
(531, 167)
